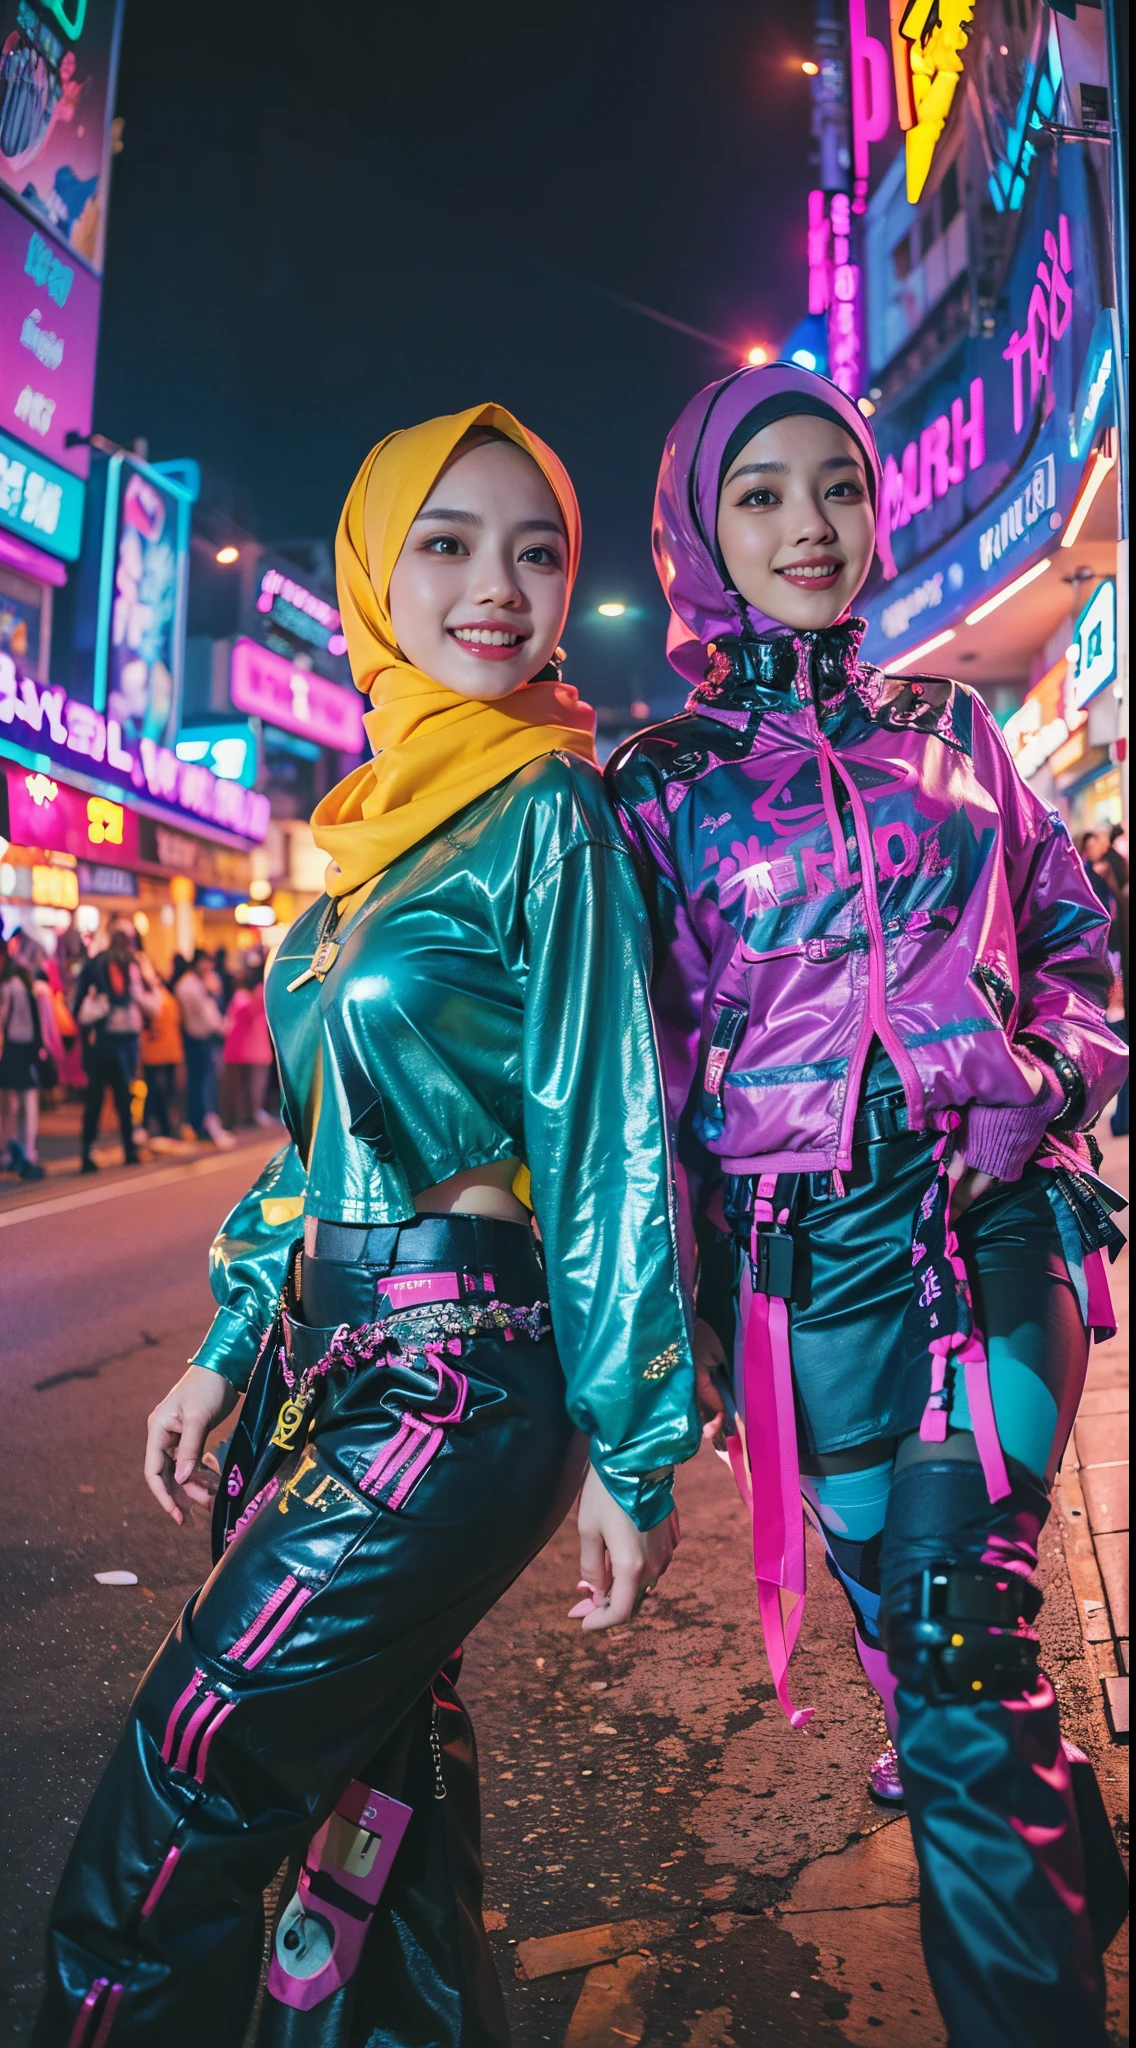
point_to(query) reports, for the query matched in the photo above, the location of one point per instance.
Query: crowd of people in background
(188, 1057)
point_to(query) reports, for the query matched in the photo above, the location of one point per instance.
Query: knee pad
(958, 1603)
(962, 1633)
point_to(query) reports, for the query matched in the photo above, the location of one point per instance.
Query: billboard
(49, 813)
(44, 729)
(265, 685)
(143, 576)
(40, 502)
(58, 60)
(49, 330)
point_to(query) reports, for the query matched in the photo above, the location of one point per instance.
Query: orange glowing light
(228, 555)
(810, 69)
(756, 356)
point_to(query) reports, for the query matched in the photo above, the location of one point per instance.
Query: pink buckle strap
(1101, 1318)
(766, 1467)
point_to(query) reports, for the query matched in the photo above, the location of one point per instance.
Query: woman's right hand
(175, 1440)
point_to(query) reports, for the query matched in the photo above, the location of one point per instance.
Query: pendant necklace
(326, 952)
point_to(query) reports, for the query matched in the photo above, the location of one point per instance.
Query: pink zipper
(877, 960)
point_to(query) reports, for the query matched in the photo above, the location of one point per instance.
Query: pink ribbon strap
(771, 1487)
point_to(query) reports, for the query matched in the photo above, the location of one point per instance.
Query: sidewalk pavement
(1092, 1492)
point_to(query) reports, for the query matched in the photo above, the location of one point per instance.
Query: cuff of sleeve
(231, 1346)
(647, 1501)
(1002, 1141)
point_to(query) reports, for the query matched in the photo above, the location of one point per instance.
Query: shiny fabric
(490, 1001)
(292, 1673)
(435, 749)
(852, 1299)
(835, 857)
(684, 532)
(1003, 1892)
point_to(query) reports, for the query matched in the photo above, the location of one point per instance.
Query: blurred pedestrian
(247, 1057)
(202, 1031)
(224, 981)
(111, 1002)
(30, 1050)
(162, 1055)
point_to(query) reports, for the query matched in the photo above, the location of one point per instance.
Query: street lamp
(756, 356)
(226, 556)
(611, 611)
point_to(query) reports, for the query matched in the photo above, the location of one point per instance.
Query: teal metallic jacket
(489, 1001)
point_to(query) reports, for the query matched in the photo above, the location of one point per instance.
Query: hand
(175, 1440)
(619, 1564)
(708, 1358)
(966, 1184)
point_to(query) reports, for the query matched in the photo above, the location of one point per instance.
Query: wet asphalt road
(645, 1776)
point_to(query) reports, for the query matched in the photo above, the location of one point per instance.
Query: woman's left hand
(619, 1564)
(967, 1184)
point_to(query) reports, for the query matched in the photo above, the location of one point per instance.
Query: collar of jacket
(780, 671)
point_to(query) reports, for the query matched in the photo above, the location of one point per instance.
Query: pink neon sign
(929, 467)
(76, 735)
(870, 79)
(835, 286)
(264, 685)
(1048, 315)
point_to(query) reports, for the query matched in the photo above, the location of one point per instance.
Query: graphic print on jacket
(849, 856)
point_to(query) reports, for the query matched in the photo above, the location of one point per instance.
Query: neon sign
(38, 501)
(871, 111)
(143, 579)
(264, 685)
(928, 38)
(1037, 496)
(1048, 316)
(80, 737)
(1044, 721)
(1094, 638)
(946, 451)
(835, 286)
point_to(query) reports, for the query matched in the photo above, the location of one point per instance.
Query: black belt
(880, 1118)
(341, 1279)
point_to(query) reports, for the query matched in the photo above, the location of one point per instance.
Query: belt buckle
(774, 1266)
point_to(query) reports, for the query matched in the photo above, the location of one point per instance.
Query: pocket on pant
(290, 1552)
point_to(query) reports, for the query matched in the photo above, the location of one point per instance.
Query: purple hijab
(686, 503)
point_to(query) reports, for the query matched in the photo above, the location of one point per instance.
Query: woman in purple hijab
(880, 987)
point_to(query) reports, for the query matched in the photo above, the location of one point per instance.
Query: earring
(551, 672)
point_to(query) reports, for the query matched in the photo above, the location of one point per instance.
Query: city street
(667, 1861)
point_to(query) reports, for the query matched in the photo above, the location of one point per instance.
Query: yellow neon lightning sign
(928, 38)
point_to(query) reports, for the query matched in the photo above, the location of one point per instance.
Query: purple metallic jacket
(837, 856)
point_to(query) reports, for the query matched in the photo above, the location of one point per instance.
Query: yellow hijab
(435, 751)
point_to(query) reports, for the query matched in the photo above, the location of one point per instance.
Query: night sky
(330, 221)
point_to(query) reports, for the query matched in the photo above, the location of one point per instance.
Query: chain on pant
(317, 1635)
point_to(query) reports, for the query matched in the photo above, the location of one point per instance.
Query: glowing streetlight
(226, 556)
(611, 611)
(809, 68)
(756, 356)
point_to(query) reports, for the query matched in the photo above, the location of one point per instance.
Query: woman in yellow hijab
(462, 1020)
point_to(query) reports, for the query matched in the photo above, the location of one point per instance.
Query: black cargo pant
(309, 1660)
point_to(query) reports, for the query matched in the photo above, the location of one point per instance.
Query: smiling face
(795, 522)
(480, 589)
